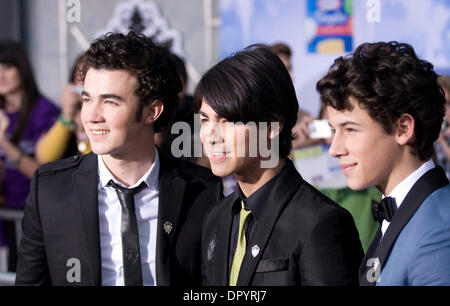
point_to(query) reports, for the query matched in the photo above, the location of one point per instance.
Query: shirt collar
(151, 177)
(401, 190)
(257, 200)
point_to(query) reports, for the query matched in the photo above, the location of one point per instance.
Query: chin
(220, 171)
(99, 150)
(357, 185)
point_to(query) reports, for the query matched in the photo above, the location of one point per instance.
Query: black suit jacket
(61, 222)
(302, 238)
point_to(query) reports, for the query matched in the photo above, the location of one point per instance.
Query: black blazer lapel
(283, 191)
(171, 192)
(429, 182)
(85, 180)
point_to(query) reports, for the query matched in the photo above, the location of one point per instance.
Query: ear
(152, 111)
(275, 129)
(404, 129)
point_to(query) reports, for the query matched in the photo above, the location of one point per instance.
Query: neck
(129, 170)
(255, 177)
(406, 165)
(13, 101)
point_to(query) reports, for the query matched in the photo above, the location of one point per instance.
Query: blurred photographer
(324, 172)
(67, 136)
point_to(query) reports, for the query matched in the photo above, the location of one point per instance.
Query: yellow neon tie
(241, 245)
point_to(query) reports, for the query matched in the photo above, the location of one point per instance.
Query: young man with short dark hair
(125, 214)
(276, 229)
(386, 109)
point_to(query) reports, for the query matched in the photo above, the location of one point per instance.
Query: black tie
(130, 235)
(384, 209)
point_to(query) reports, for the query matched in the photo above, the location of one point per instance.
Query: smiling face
(228, 145)
(367, 154)
(109, 112)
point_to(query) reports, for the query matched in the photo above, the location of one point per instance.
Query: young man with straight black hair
(276, 229)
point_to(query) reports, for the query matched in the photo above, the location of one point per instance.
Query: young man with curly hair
(386, 110)
(276, 229)
(125, 214)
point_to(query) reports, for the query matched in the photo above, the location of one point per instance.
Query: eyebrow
(105, 96)
(348, 123)
(212, 115)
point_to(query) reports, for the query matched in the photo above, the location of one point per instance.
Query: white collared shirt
(110, 213)
(401, 190)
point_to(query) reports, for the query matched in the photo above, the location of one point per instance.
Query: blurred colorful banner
(330, 23)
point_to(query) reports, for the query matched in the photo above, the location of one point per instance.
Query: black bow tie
(384, 210)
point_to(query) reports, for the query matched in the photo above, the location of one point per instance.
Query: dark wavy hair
(151, 63)
(13, 53)
(252, 86)
(388, 80)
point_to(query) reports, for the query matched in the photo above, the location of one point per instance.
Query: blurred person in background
(300, 129)
(25, 115)
(442, 146)
(184, 113)
(67, 136)
(284, 52)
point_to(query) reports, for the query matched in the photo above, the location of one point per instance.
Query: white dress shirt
(110, 213)
(401, 190)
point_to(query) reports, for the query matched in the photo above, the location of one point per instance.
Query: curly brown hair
(388, 80)
(151, 63)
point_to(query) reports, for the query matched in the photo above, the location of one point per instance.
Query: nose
(211, 134)
(337, 147)
(213, 140)
(92, 112)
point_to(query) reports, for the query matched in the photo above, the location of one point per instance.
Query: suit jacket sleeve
(32, 265)
(433, 247)
(332, 253)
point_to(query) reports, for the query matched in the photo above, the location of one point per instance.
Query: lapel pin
(168, 227)
(255, 250)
